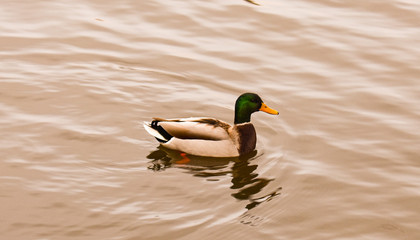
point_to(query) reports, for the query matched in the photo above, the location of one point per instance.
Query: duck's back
(196, 128)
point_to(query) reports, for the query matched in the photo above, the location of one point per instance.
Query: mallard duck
(211, 137)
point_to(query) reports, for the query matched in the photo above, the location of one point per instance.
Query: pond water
(78, 78)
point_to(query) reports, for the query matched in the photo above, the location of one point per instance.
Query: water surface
(78, 78)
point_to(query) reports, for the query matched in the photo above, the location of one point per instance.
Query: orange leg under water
(184, 159)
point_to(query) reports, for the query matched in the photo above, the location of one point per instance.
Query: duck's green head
(248, 103)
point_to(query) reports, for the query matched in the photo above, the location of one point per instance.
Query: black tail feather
(155, 125)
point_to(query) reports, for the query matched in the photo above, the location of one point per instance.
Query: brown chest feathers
(246, 139)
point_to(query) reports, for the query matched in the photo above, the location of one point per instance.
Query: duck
(210, 137)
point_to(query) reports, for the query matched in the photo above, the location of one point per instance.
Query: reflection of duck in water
(249, 184)
(209, 136)
(244, 179)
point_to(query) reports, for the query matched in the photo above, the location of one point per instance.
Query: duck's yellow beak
(266, 109)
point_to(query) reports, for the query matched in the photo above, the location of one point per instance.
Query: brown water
(79, 77)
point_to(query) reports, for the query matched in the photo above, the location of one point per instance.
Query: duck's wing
(189, 128)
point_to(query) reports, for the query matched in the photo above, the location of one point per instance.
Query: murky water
(78, 78)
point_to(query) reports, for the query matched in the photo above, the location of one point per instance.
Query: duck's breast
(245, 137)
